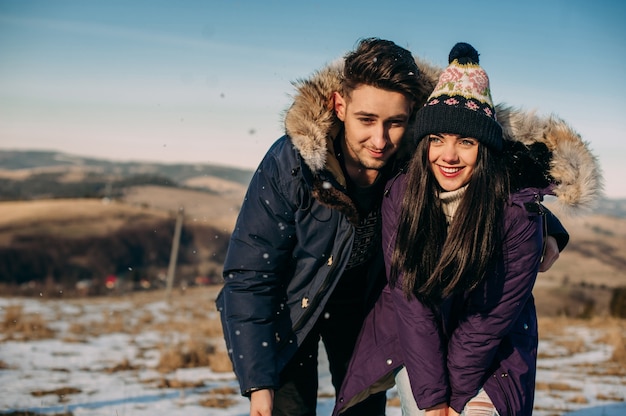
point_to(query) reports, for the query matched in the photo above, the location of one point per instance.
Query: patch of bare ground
(21, 326)
(61, 393)
(610, 397)
(611, 332)
(595, 255)
(219, 398)
(68, 217)
(27, 413)
(215, 184)
(216, 209)
(123, 365)
(190, 313)
(555, 386)
(165, 383)
(192, 316)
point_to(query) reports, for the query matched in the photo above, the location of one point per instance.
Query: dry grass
(615, 336)
(194, 353)
(192, 315)
(178, 384)
(124, 365)
(190, 354)
(61, 392)
(18, 325)
(612, 333)
(555, 386)
(219, 398)
(68, 217)
(192, 337)
(220, 362)
(218, 210)
(578, 400)
(610, 397)
(595, 255)
(218, 402)
(27, 413)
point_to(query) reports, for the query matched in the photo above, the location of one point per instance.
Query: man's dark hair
(381, 64)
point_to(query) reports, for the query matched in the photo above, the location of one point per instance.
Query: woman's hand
(438, 410)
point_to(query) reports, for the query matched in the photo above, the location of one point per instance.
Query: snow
(32, 369)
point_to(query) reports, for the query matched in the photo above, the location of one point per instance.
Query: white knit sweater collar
(450, 202)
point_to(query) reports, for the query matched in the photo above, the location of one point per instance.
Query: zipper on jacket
(314, 302)
(542, 213)
(506, 397)
(536, 208)
(391, 181)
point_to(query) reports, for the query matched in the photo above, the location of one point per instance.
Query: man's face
(375, 121)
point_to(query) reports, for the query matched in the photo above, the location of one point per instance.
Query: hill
(25, 163)
(26, 175)
(582, 281)
(83, 219)
(68, 221)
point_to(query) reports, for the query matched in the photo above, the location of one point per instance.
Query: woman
(463, 236)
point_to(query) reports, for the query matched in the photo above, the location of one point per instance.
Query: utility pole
(174, 253)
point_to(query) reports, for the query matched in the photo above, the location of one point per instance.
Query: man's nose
(379, 136)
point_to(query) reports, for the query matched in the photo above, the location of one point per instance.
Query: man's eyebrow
(365, 113)
(374, 115)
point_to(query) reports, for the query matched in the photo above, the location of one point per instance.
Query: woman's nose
(450, 154)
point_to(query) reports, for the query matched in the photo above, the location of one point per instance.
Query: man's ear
(340, 106)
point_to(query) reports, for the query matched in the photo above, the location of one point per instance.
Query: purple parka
(485, 338)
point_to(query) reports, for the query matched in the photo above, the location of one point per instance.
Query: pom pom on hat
(464, 53)
(461, 102)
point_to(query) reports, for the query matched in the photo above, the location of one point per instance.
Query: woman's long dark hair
(433, 259)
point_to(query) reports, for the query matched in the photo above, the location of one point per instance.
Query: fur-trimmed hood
(571, 170)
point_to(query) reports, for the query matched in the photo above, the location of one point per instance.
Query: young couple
(386, 151)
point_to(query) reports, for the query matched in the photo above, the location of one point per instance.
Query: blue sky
(208, 81)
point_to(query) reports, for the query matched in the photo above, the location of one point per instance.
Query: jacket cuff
(555, 229)
(251, 390)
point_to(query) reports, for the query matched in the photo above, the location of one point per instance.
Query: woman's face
(452, 159)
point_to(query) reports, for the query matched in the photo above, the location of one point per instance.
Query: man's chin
(374, 164)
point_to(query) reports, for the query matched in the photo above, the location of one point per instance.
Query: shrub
(617, 307)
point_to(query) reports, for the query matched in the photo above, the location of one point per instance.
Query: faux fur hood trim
(312, 125)
(574, 171)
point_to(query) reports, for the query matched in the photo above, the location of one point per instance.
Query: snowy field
(97, 357)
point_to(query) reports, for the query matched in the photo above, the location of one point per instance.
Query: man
(304, 261)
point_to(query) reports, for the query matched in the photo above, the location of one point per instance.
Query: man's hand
(551, 254)
(261, 402)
